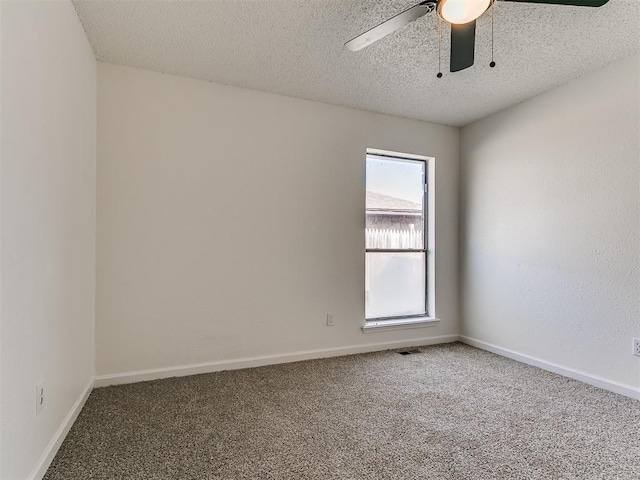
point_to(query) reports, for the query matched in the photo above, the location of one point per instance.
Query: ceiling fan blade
(575, 3)
(390, 26)
(463, 45)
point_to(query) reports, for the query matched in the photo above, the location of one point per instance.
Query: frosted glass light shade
(462, 11)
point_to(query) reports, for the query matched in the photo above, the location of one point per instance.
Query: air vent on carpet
(409, 352)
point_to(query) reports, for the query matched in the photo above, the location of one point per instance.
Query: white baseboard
(594, 380)
(55, 443)
(209, 367)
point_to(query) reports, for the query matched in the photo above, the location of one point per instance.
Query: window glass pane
(395, 284)
(395, 189)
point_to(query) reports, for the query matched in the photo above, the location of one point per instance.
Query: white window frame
(428, 319)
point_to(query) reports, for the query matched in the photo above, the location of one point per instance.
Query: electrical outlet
(329, 319)
(39, 398)
(636, 347)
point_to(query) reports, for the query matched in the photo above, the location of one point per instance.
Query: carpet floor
(447, 412)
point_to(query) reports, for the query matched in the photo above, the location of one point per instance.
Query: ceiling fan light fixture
(462, 11)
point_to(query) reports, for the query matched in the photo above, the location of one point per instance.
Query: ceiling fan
(461, 14)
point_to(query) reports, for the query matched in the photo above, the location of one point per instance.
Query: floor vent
(409, 352)
(405, 353)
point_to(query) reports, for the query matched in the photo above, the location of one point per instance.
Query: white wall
(231, 221)
(48, 161)
(551, 216)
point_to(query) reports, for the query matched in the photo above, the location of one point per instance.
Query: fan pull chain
(492, 64)
(439, 42)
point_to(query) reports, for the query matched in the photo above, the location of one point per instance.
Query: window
(396, 240)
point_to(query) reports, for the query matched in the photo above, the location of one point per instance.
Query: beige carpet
(447, 412)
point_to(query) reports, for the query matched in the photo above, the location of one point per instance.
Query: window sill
(400, 324)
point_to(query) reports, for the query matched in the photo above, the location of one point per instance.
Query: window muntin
(396, 254)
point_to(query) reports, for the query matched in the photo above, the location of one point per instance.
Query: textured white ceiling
(295, 48)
